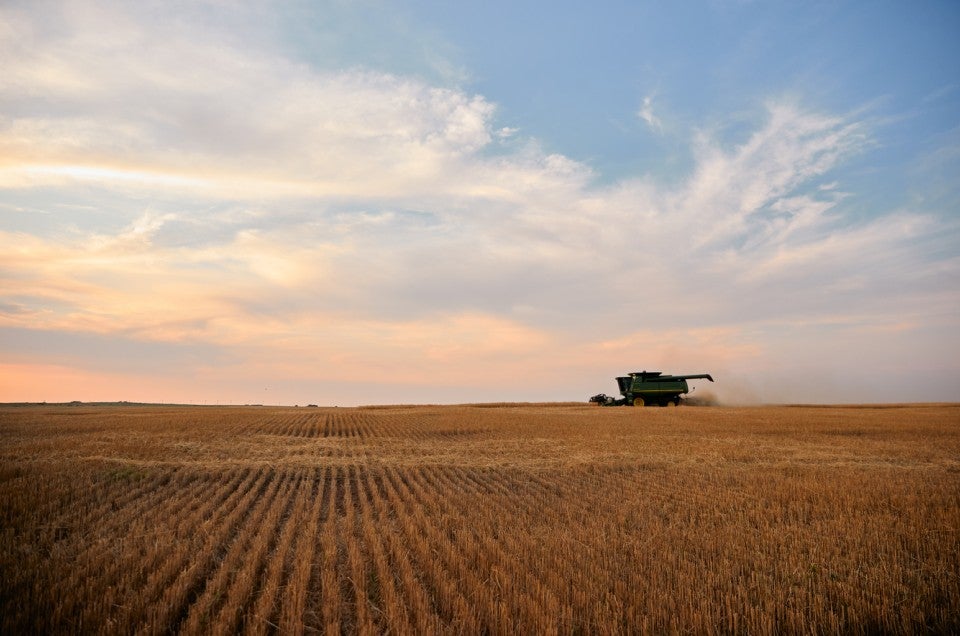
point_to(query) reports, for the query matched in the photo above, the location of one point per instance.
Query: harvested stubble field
(513, 519)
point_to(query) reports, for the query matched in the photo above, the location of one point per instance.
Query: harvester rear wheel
(638, 401)
(671, 403)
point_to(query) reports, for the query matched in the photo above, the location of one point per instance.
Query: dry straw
(480, 519)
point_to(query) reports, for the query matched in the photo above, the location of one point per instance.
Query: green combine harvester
(649, 387)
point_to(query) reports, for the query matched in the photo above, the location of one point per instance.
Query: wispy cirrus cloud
(646, 114)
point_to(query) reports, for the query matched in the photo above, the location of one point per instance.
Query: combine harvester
(649, 387)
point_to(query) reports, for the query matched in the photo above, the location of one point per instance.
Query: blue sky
(278, 201)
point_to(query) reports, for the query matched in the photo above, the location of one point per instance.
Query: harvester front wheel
(638, 401)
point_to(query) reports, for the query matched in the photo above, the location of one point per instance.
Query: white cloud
(738, 187)
(112, 95)
(646, 114)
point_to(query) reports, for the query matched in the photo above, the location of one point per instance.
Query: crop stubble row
(650, 521)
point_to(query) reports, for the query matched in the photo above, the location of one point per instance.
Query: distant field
(470, 519)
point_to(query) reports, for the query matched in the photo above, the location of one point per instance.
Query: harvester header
(650, 387)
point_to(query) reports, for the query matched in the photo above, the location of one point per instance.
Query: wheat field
(495, 519)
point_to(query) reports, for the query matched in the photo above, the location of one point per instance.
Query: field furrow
(227, 575)
(263, 538)
(496, 519)
(146, 529)
(291, 617)
(278, 573)
(169, 555)
(396, 528)
(326, 602)
(190, 584)
(433, 538)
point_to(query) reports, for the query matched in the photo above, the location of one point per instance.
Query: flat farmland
(497, 519)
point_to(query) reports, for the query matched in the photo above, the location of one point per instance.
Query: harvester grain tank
(650, 387)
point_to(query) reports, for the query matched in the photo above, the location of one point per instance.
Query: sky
(365, 202)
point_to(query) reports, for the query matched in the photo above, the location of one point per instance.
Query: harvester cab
(650, 387)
